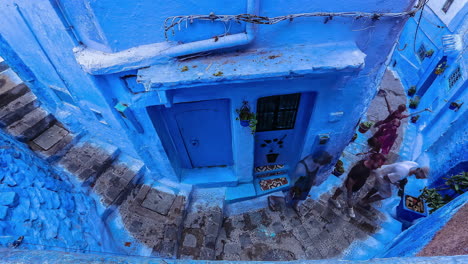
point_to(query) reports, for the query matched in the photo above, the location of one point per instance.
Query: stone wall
(44, 205)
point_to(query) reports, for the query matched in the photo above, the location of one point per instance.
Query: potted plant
(246, 117)
(454, 186)
(339, 169)
(429, 53)
(455, 106)
(365, 126)
(354, 137)
(441, 68)
(273, 145)
(415, 118)
(413, 103)
(412, 90)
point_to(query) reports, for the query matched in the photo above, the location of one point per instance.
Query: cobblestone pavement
(193, 225)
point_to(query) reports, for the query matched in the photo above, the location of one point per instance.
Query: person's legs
(274, 201)
(337, 193)
(369, 194)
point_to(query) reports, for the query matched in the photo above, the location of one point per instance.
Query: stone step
(17, 109)
(53, 143)
(202, 224)
(8, 95)
(154, 217)
(118, 180)
(3, 66)
(31, 125)
(88, 160)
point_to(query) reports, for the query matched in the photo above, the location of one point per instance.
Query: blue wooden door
(205, 128)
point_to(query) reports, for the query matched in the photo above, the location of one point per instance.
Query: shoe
(351, 212)
(271, 204)
(336, 203)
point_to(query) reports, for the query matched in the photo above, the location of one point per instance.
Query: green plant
(244, 114)
(458, 183)
(429, 53)
(441, 68)
(367, 124)
(415, 118)
(413, 103)
(434, 199)
(412, 90)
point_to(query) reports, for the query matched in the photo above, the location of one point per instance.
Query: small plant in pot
(441, 68)
(429, 53)
(274, 145)
(354, 137)
(246, 117)
(365, 126)
(414, 119)
(413, 103)
(412, 90)
(455, 106)
(339, 169)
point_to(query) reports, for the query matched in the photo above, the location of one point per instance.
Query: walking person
(356, 179)
(393, 175)
(307, 174)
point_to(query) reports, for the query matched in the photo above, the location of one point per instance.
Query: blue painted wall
(443, 137)
(344, 82)
(50, 209)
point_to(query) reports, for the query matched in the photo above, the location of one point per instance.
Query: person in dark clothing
(308, 168)
(356, 179)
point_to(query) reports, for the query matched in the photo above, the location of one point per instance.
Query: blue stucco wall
(442, 141)
(342, 94)
(50, 209)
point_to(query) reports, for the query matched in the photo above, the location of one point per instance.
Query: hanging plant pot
(339, 169)
(455, 106)
(354, 137)
(414, 119)
(245, 123)
(246, 117)
(364, 127)
(412, 91)
(271, 158)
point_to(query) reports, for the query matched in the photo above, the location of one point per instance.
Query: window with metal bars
(447, 5)
(422, 52)
(454, 77)
(277, 112)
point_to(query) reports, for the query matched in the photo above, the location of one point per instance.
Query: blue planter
(245, 123)
(405, 214)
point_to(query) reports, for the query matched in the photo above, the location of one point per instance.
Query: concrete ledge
(285, 62)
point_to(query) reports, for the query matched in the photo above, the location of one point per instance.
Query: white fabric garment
(396, 171)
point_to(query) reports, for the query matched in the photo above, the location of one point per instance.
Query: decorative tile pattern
(268, 168)
(272, 183)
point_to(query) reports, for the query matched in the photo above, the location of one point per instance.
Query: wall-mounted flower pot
(338, 172)
(455, 106)
(271, 158)
(412, 91)
(354, 137)
(245, 123)
(364, 127)
(414, 119)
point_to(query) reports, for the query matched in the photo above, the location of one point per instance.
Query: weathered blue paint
(442, 140)
(414, 239)
(340, 62)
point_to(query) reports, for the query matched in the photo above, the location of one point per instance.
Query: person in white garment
(390, 175)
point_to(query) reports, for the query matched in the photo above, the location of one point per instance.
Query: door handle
(194, 142)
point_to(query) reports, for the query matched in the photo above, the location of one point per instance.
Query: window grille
(277, 112)
(454, 77)
(422, 52)
(447, 5)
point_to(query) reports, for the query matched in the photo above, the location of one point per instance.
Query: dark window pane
(277, 112)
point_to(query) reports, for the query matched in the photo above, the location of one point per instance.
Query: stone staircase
(172, 221)
(100, 166)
